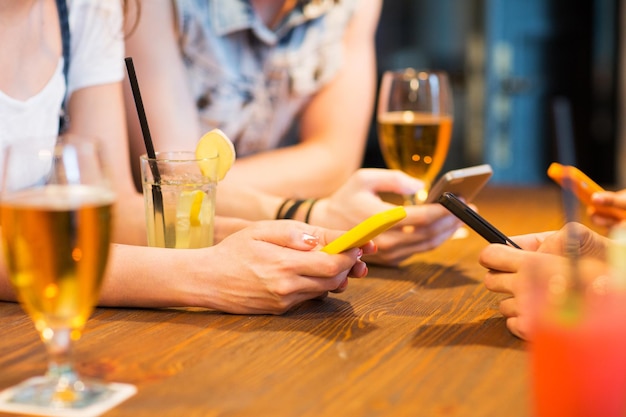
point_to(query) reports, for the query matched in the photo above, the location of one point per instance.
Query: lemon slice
(196, 205)
(213, 143)
(193, 213)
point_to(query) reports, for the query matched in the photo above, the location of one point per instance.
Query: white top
(96, 57)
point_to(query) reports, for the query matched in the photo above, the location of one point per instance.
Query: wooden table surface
(422, 340)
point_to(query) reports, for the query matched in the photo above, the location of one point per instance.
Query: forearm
(244, 202)
(129, 221)
(253, 204)
(310, 169)
(333, 126)
(141, 277)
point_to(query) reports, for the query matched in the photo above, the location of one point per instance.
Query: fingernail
(360, 253)
(310, 239)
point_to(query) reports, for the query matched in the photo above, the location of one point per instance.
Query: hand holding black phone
(474, 220)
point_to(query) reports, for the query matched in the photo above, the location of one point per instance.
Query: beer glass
(55, 211)
(415, 115)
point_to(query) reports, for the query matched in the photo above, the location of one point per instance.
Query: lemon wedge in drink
(193, 225)
(196, 205)
(216, 143)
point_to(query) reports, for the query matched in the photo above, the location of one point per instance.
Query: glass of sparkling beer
(179, 199)
(55, 210)
(415, 115)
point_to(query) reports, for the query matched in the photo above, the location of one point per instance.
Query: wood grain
(422, 340)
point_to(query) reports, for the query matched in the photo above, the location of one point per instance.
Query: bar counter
(425, 339)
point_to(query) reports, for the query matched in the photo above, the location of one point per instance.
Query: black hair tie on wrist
(291, 211)
(279, 212)
(308, 212)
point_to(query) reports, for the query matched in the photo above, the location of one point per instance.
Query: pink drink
(578, 363)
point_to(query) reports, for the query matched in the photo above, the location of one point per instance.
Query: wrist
(296, 209)
(317, 215)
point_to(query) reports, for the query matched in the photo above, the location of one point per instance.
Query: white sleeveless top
(96, 57)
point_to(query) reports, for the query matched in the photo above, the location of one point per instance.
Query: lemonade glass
(179, 198)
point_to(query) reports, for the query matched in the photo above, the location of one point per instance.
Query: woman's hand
(511, 271)
(272, 266)
(425, 227)
(608, 199)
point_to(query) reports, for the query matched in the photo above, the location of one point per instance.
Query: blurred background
(508, 60)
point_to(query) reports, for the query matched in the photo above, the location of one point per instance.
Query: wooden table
(422, 340)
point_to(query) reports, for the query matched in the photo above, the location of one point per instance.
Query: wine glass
(55, 210)
(415, 115)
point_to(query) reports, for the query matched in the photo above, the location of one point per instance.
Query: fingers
(359, 270)
(398, 244)
(501, 282)
(517, 323)
(387, 180)
(501, 258)
(342, 287)
(426, 214)
(509, 307)
(532, 241)
(518, 327)
(610, 199)
(601, 220)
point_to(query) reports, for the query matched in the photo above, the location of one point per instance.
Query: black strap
(291, 211)
(65, 40)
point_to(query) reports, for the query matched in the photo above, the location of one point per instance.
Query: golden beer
(416, 143)
(56, 242)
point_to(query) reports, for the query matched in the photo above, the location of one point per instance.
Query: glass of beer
(55, 210)
(415, 114)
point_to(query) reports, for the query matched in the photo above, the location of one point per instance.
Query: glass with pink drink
(578, 348)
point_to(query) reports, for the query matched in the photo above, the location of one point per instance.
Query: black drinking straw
(157, 197)
(566, 152)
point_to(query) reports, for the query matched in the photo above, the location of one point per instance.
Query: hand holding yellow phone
(366, 230)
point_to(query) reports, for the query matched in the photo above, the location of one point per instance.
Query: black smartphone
(474, 220)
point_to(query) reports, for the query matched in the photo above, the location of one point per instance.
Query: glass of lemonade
(179, 197)
(415, 117)
(55, 210)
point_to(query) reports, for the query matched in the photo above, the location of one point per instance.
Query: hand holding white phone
(465, 182)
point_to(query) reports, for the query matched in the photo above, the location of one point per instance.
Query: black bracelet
(291, 211)
(279, 213)
(308, 212)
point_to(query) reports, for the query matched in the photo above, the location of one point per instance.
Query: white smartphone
(465, 182)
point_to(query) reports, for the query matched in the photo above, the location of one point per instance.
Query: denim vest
(251, 81)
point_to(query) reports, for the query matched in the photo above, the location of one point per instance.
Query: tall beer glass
(55, 212)
(415, 115)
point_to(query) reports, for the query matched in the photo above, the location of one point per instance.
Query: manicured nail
(310, 239)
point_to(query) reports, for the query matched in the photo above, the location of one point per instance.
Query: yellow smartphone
(366, 230)
(583, 187)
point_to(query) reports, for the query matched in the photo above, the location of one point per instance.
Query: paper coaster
(118, 393)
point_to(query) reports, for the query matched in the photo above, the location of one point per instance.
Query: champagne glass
(415, 115)
(55, 210)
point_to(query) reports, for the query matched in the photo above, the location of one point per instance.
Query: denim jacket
(251, 81)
